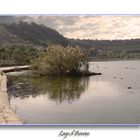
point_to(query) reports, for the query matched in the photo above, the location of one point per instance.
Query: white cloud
(90, 27)
(106, 27)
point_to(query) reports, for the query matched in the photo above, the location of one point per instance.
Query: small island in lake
(59, 60)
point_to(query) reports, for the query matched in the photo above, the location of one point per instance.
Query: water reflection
(58, 89)
(107, 100)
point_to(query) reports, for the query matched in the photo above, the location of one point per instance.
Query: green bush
(61, 60)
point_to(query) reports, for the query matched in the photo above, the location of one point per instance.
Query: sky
(86, 27)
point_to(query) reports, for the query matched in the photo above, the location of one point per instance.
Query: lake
(110, 98)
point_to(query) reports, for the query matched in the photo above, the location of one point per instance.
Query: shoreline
(7, 114)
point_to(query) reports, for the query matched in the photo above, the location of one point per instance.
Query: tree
(61, 60)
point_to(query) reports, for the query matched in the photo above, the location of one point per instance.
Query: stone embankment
(7, 114)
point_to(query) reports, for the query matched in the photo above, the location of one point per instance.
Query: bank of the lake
(7, 114)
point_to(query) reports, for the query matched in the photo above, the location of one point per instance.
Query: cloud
(87, 27)
(106, 27)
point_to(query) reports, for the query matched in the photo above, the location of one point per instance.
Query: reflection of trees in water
(20, 87)
(63, 88)
(58, 89)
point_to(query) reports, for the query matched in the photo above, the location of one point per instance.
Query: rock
(129, 87)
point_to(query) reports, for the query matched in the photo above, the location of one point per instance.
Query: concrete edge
(7, 114)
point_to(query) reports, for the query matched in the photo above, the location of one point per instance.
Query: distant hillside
(29, 34)
(108, 49)
(104, 44)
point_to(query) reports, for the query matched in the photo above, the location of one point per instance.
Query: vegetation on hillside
(10, 56)
(58, 60)
(33, 33)
(110, 49)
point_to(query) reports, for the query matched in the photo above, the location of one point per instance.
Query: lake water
(110, 98)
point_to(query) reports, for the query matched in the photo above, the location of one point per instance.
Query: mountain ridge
(30, 33)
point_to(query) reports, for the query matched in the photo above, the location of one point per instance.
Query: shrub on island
(59, 60)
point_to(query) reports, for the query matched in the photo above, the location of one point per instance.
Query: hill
(23, 33)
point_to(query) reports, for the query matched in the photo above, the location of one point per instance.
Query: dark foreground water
(112, 98)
